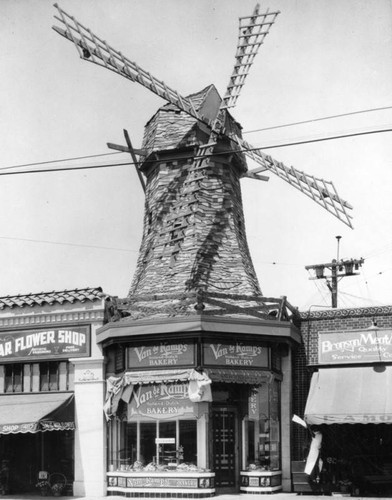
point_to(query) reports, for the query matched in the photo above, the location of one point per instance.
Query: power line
(274, 146)
(362, 298)
(321, 139)
(69, 244)
(59, 161)
(317, 119)
(43, 170)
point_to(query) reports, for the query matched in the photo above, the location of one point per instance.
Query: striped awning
(350, 395)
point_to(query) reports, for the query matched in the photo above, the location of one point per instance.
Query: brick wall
(306, 358)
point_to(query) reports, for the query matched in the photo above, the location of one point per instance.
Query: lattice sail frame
(96, 50)
(252, 31)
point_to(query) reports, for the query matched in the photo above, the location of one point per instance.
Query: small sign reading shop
(356, 346)
(161, 355)
(239, 355)
(66, 342)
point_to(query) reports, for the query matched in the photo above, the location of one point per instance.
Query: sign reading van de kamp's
(66, 342)
(359, 346)
(163, 354)
(239, 354)
(160, 401)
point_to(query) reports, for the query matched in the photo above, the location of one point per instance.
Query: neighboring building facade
(51, 391)
(342, 387)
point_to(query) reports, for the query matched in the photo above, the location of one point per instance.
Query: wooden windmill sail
(194, 254)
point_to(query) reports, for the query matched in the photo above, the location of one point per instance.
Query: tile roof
(51, 298)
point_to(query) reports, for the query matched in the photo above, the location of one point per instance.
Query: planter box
(260, 481)
(161, 484)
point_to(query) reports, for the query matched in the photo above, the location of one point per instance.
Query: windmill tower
(194, 255)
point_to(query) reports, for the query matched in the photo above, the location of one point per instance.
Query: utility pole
(339, 268)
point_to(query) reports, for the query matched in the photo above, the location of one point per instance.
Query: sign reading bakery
(160, 401)
(161, 355)
(238, 354)
(65, 342)
(355, 346)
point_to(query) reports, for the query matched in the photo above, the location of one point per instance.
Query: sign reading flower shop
(161, 355)
(236, 355)
(356, 346)
(65, 342)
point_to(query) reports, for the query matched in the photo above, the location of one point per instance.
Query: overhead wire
(99, 247)
(312, 120)
(243, 150)
(60, 160)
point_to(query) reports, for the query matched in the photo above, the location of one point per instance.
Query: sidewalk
(274, 496)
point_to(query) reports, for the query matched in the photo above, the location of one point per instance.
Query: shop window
(13, 378)
(49, 376)
(130, 451)
(160, 442)
(188, 440)
(262, 429)
(148, 433)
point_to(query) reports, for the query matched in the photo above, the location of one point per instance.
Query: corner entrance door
(224, 435)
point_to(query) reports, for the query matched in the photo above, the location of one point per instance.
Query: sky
(322, 58)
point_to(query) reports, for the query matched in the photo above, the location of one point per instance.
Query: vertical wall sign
(253, 404)
(64, 342)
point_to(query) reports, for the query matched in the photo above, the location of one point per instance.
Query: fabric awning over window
(239, 376)
(350, 395)
(36, 412)
(121, 388)
(162, 376)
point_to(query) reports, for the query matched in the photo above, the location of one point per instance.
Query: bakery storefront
(194, 416)
(350, 403)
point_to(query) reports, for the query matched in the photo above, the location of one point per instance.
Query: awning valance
(121, 388)
(36, 412)
(239, 376)
(350, 395)
(162, 376)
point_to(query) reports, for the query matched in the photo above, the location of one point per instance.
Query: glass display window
(261, 430)
(160, 442)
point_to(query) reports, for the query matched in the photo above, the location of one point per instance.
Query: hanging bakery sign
(355, 346)
(161, 355)
(65, 342)
(160, 401)
(236, 355)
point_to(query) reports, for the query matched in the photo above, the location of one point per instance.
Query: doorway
(225, 447)
(28, 453)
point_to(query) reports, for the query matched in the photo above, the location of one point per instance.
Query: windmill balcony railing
(270, 308)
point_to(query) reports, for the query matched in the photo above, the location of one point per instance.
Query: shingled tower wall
(194, 238)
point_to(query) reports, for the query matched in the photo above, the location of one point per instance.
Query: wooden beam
(253, 175)
(132, 152)
(124, 149)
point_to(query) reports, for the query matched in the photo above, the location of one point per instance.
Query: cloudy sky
(73, 229)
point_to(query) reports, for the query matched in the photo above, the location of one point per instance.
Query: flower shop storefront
(36, 438)
(206, 422)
